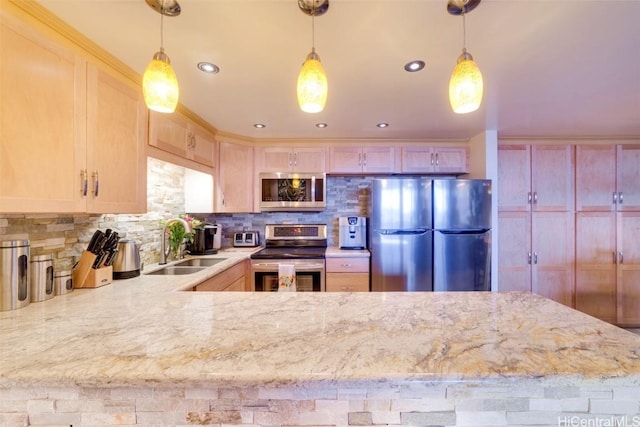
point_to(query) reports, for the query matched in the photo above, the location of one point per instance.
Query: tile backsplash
(67, 235)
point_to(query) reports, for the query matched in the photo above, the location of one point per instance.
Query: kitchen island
(145, 352)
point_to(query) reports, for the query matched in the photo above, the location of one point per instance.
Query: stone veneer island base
(126, 356)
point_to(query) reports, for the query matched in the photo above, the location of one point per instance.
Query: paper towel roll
(286, 278)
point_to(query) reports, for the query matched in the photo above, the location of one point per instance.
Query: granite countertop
(145, 332)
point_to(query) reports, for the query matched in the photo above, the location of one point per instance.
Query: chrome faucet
(164, 250)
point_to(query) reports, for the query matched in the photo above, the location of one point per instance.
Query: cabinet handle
(431, 159)
(535, 257)
(96, 184)
(615, 256)
(437, 162)
(621, 257)
(295, 159)
(222, 199)
(359, 159)
(529, 198)
(529, 257)
(364, 157)
(193, 139)
(620, 198)
(615, 198)
(346, 265)
(84, 176)
(290, 161)
(535, 197)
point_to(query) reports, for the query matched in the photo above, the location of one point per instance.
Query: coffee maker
(352, 232)
(206, 240)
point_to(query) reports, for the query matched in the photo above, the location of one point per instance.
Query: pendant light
(159, 82)
(312, 80)
(465, 86)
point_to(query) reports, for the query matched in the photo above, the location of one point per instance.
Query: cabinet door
(552, 180)
(345, 160)
(553, 243)
(378, 159)
(595, 177)
(629, 177)
(451, 160)
(276, 159)
(235, 178)
(116, 135)
(417, 159)
(311, 159)
(514, 177)
(201, 146)
(169, 132)
(514, 251)
(42, 124)
(596, 264)
(628, 268)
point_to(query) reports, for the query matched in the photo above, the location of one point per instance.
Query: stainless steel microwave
(288, 191)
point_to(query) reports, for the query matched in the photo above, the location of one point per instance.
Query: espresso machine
(352, 232)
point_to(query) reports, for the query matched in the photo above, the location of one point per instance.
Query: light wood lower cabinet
(231, 279)
(347, 275)
(536, 253)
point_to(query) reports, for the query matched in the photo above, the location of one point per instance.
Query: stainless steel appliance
(430, 234)
(126, 264)
(352, 232)
(461, 235)
(14, 274)
(207, 240)
(246, 239)
(293, 191)
(304, 246)
(401, 235)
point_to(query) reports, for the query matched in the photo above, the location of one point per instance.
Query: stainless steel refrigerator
(401, 234)
(461, 235)
(430, 234)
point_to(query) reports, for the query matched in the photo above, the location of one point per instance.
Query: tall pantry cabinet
(536, 220)
(608, 232)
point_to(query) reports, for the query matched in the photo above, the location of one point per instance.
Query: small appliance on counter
(248, 239)
(207, 240)
(126, 264)
(352, 232)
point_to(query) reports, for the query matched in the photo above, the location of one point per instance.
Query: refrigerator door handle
(476, 231)
(411, 232)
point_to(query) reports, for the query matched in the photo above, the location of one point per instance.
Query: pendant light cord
(464, 33)
(162, 24)
(313, 26)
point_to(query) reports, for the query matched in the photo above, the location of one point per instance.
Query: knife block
(86, 277)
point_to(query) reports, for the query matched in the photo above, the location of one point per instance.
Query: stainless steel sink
(199, 262)
(175, 270)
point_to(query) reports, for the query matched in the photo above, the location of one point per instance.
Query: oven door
(309, 275)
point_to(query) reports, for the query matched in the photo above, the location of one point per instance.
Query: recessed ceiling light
(414, 66)
(382, 125)
(321, 125)
(259, 125)
(208, 67)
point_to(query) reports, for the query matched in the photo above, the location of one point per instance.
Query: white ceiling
(550, 67)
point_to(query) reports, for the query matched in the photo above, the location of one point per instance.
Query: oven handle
(271, 266)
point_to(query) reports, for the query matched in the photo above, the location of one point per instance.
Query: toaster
(246, 239)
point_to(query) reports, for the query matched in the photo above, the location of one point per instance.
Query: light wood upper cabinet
(358, 160)
(425, 159)
(116, 136)
(177, 134)
(292, 159)
(608, 177)
(71, 134)
(536, 178)
(42, 122)
(235, 178)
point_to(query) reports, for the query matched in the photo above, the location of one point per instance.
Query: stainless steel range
(302, 245)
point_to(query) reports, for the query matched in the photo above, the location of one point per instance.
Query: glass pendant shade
(160, 85)
(312, 85)
(465, 86)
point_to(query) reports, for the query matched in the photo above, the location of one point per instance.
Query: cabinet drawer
(347, 265)
(347, 282)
